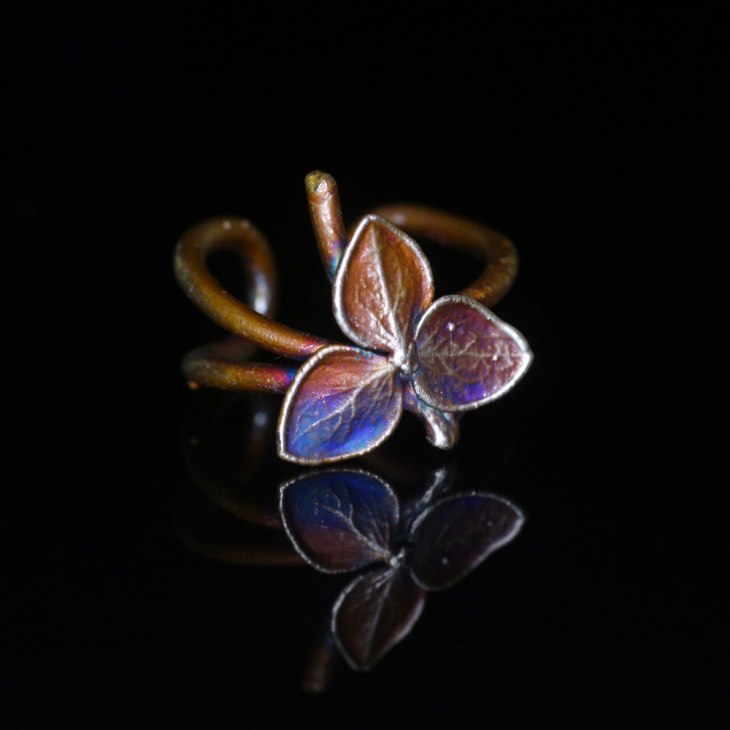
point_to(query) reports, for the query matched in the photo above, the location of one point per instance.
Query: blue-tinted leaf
(453, 536)
(340, 520)
(374, 613)
(343, 402)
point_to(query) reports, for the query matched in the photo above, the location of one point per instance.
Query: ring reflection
(402, 528)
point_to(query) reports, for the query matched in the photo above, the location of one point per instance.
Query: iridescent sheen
(324, 208)
(442, 428)
(340, 520)
(451, 356)
(343, 401)
(382, 286)
(466, 355)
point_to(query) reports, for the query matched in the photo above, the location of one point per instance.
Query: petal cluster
(433, 358)
(342, 520)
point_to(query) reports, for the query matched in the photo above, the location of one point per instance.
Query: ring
(436, 359)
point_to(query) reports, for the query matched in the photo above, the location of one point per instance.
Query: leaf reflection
(424, 536)
(340, 520)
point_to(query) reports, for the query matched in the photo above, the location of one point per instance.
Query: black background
(591, 136)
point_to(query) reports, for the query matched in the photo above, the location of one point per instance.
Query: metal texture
(336, 520)
(343, 402)
(326, 214)
(341, 521)
(453, 231)
(454, 353)
(456, 534)
(223, 364)
(237, 234)
(466, 355)
(433, 358)
(374, 613)
(382, 285)
(442, 428)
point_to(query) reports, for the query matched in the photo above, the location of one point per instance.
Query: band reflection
(426, 534)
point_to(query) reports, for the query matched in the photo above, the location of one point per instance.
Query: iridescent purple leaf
(456, 534)
(381, 287)
(466, 355)
(340, 520)
(442, 428)
(343, 402)
(374, 613)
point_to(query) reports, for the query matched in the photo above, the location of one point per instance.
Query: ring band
(384, 316)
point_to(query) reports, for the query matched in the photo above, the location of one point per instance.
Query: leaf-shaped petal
(342, 402)
(382, 286)
(340, 520)
(442, 428)
(453, 536)
(374, 613)
(466, 355)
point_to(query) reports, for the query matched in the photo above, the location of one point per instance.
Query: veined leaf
(382, 286)
(374, 613)
(343, 402)
(340, 520)
(456, 534)
(466, 355)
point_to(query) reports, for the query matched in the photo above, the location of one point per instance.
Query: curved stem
(329, 229)
(202, 287)
(222, 365)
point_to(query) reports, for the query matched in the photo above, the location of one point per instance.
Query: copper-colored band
(202, 287)
(222, 365)
(326, 214)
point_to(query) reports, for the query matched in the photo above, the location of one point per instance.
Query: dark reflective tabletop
(399, 545)
(165, 569)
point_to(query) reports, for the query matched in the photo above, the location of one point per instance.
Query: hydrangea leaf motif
(342, 402)
(467, 356)
(434, 358)
(340, 520)
(374, 613)
(382, 286)
(344, 520)
(453, 536)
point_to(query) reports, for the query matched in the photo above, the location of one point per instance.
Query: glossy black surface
(593, 140)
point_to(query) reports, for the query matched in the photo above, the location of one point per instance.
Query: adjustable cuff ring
(433, 358)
